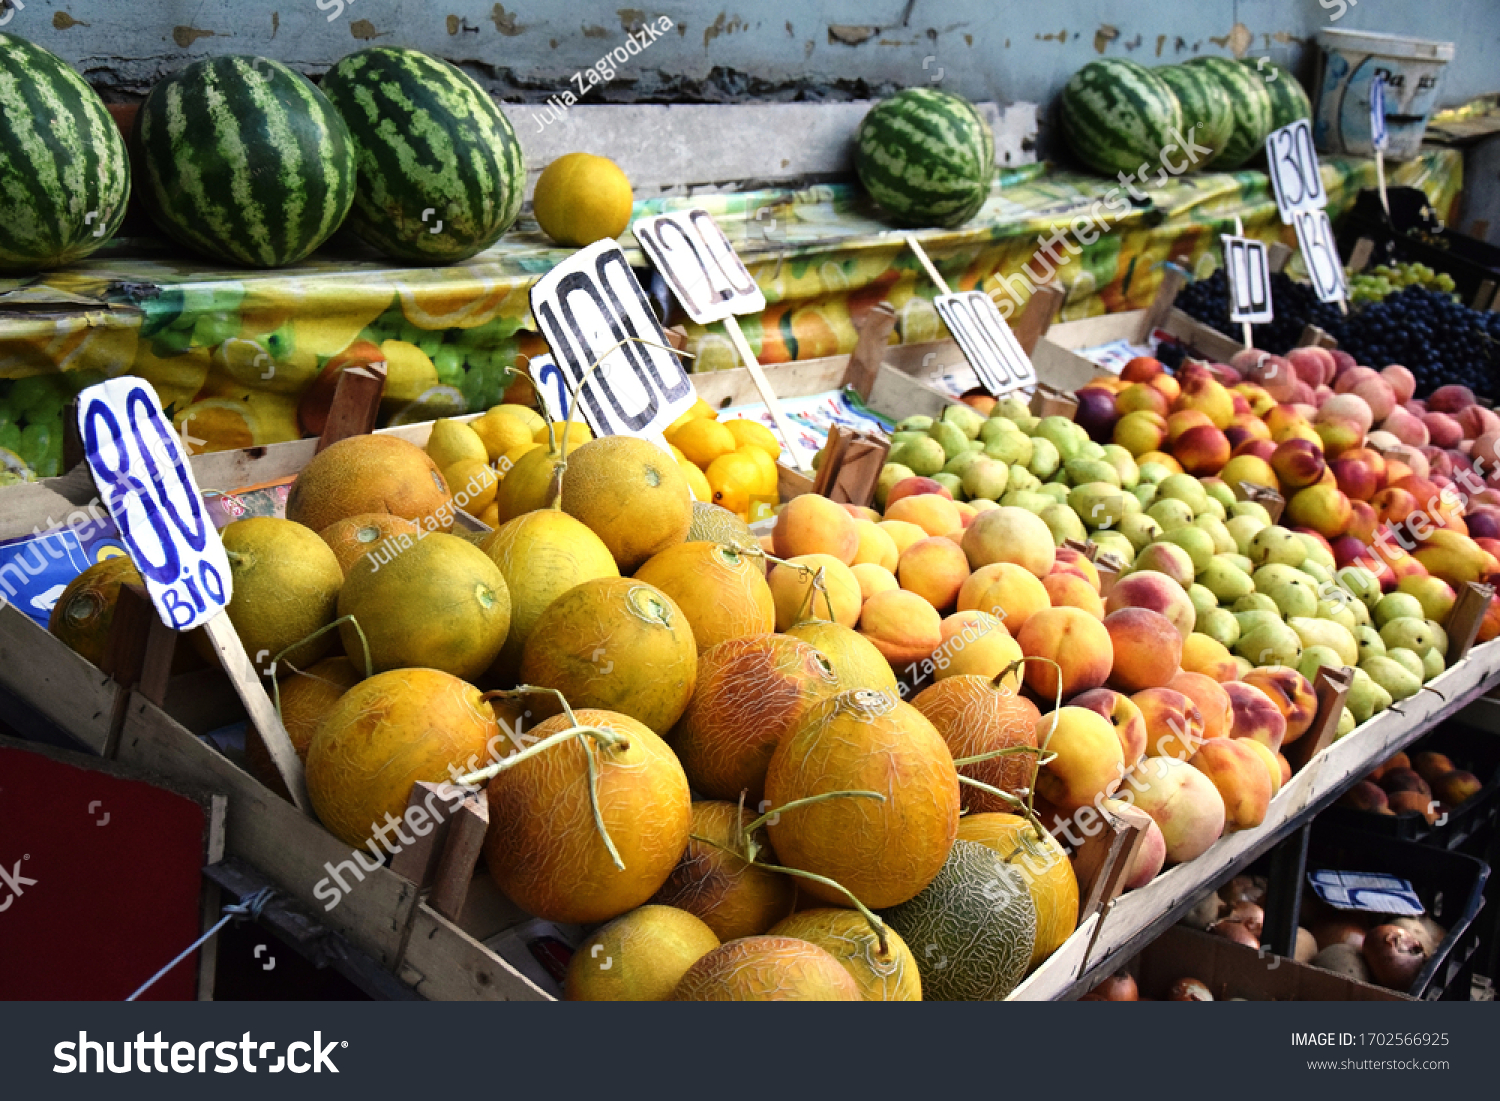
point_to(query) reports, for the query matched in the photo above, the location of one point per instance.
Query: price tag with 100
(987, 342)
(1247, 265)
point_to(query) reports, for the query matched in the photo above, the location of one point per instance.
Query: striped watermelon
(1207, 114)
(427, 137)
(1118, 115)
(1252, 109)
(244, 161)
(1289, 100)
(64, 173)
(927, 157)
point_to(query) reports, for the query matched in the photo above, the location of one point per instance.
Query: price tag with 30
(1321, 252)
(1247, 264)
(700, 265)
(148, 486)
(987, 342)
(1295, 176)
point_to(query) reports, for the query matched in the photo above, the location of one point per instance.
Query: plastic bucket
(1413, 70)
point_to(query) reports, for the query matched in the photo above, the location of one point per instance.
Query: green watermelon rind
(245, 161)
(1118, 115)
(926, 157)
(61, 159)
(1289, 100)
(1207, 113)
(1252, 109)
(427, 137)
(972, 929)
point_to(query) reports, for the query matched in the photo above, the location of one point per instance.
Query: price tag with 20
(700, 265)
(143, 475)
(987, 342)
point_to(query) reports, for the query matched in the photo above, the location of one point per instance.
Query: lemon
(770, 480)
(734, 479)
(700, 409)
(749, 433)
(581, 199)
(703, 441)
(695, 480)
(473, 483)
(577, 431)
(490, 517)
(523, 413)
(408, 372)
(500, 433)
(452, 441)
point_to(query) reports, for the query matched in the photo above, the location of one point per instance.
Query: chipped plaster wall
(766, 50)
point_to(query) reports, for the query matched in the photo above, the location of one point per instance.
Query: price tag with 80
(1321, 252)
(987, 342)
(1378, 135)
(1295, 177)
(1249, 270)
(699, 264)
(591, 308)
(143, 475)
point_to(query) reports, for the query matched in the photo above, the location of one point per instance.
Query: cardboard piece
(1273, 502)
(1109, 568)
(1277, 255)
(1359, 259)
(1049, 402)
(1465, 618)
(851, 466)
(1332, 688)
(1037, 316)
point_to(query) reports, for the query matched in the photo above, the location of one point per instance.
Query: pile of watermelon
(1118, 116)
(247, 162)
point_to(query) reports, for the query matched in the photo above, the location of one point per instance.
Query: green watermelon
(1252, 109)
(927, 157)
(1289, 100)
(1207, 114)
(1118, 115)
(64, 172)
(428, 140)
(244, 161)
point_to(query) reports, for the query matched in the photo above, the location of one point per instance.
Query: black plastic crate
(1471, 749)
(1415, 234)
(1450, 885)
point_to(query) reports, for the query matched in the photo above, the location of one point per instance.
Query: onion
(1209, 909)
(1343, 959)
(1427, 931)
(1339, 930)
(1119, 987)
(1307, 945)
(1245, 888)
(1249, 915)
(1237, 932)
(1189, 990)
(1394, 955)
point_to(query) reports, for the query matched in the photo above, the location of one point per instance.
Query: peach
(1077, 647)
(876, 545)
(1009, 534)
(1172, 465)
(1212, 700)
(904, 627)
(976, 644)
(1249, 468)
(1409, 429)
(1348, 380)
(1291, 692)
(1378, 395)
(1070, 560)
(861, 512)
(797, 598)
(1147, 647)
(1349, 407)
(1142, 369)
(1442, 431)
(1089, 762)
(1256, 717)
(811, 524)
(1393, 505)
(1355, 478)
(1258, 447)
(1322, 508)
(1339, 434)
(1483, 522)
(1297, 463)
(1478, 421)
(1174, 725)
(935, 569)
(1363, 522)
(1014, 594)
(1139, 397)
(1450, 399)
(1157, 592)
(1202, 654)
(1180, 421)
(1271, 760)
(1149, 858)
(1140, 431)
(1168, 559)
(1241, 779)
(1303, 394)
(1182, 801)
(1068, 590)
(873, 579)
(933, 514)
(1313, 365)
(1275, 375)
(1402, 382)
(979, 580)
(966, 513)
(1202, 450)
(1124, 716)
(1434, 594)
(1204, 393)
(915, 486)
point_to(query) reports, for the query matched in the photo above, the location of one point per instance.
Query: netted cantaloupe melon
(714, 882)
(976, 715)
(715, 524)
(750, 692)
(855, 660)
(639, 957)
(971, 929)
(630, 494)
(541, 555)
(370, 474)
(286, 587)
(768, 969)
(883, 850)
(85, 609)
(543, 848)
(721, 590)
(384, 735)
(306, 698)
(435, 603)
(1044, 865)
(616, 644)
(354, 536)
(888, 974)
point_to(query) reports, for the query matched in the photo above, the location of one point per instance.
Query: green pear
(1021, 478)
(1337, 612)
(1391, 675)
(1359, 583)
(1323, 632)
(1314, 569)
(1407, 659)
(1396, 606)
(1056, 490)
(1432, 664)
(1255, 617)
(1027, 423)
(1153, 473)
(1255, 602)
(1225, 581)
(1366, 698)
(1170, 513)
(900, 439)
(1098, 504)
(1293, 593)
(1220, 492)
(1031, 502)
(1082, 471)
(1223, 541)
(1045, 458)
(1009, 447)
(1090, 450)
(1361, 612)
(890, 474)
(1239, 562)
(1270, 643)
(959, 462)
(1409, 633)
(1369, 642)
(985, 478)
(1250, 508)
(1145, 493)
(1064, 524)
(1439, 637)
(1318, 657)
(1013, 406)
(1124, 463)
(996, 427)
(1346, 724)
(1197, 542)
(1184, 488)
(1278, 545)
(1140, 529)
(1215, 509)
(925, 456)
(974, 445)
(1203, 600)
(917, 422)
(1317, 551)
(1117, 544)
(1243, 529)
(1220, 625)
(968, 419)
(950, 436)
(952, 483)
(1130, 505)
(1063, 434)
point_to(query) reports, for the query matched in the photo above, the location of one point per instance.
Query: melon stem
(809, 801)
(276, 682)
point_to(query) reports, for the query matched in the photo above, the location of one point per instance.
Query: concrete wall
(768, 50)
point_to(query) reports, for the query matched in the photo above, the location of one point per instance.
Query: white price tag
(144, 478)
(1295, 178)
(591, 308)
(699, 264)
(1247, 264)
(1378, 136)
(987, 342)
(1321, 252)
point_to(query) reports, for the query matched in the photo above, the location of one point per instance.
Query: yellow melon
(286, 587)
(884, 973)
(721, 590)
(713, 881)
(768, 969)
(638, 957)
(1043, 864)
(854, 658)
(353, 537)
(630, 494)
(370, 474)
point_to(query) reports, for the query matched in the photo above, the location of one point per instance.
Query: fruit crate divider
(1272, 501)
(1466, 618)
(1313, 336)
(851, 466)
(446, 858)
(1332, 688)
(356, 403)
(1102, 863)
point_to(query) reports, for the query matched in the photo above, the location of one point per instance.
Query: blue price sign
(148, 487)
(1378, 135)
